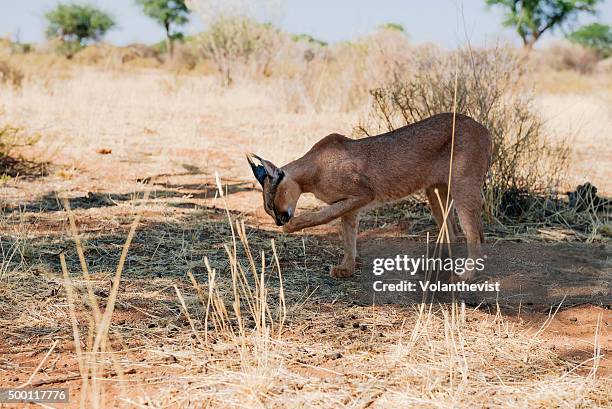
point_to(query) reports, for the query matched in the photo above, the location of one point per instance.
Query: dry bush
(10, 75)
(11, 164)
(185, 58)
(570, 56)
(604, 66)
(339, 77)
(524, 161)
(95, 54)
(311, 75)
(39, 63)
(112, 56)
(240, 46)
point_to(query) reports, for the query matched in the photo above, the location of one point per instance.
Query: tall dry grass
(224, 320)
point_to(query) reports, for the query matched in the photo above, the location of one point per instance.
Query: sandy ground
(105, 132)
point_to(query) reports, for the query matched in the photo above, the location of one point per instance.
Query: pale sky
(437, 21)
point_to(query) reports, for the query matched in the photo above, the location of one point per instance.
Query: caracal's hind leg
(468, 202)
(349, 227)
(438, 207)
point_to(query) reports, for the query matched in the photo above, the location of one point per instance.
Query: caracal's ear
(266, 169)
(258, 170)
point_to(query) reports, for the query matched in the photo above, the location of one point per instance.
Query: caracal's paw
(290, 227)
(341, 271)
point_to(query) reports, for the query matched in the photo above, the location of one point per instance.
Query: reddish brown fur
(352, 174)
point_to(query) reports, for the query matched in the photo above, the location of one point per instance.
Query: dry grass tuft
(11, 164)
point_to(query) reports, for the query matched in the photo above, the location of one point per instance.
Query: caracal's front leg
(325, 215)
(348, 230)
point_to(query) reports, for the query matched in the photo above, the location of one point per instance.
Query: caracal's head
(280, 191)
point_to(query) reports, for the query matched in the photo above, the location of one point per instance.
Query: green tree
(595, 36)
(393, 27)
(76, 25)
(308, 38)
(167, 13)
(532, 18)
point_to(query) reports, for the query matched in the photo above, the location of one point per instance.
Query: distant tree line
(76, 26)
(79, 25)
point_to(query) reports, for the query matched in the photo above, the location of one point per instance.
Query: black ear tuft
(272, 171)
(258, 170)
(260, 174)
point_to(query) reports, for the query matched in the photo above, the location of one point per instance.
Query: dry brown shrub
(38, 63)
(339, 77)
(9, 74)
(311, 76)
(11, 163)
(240, 47)
(113, 56)
(570, 56)
(185, 57)
(94, 54)
(524, 160)
(604, 66)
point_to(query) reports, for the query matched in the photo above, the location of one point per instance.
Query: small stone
(171, 359)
